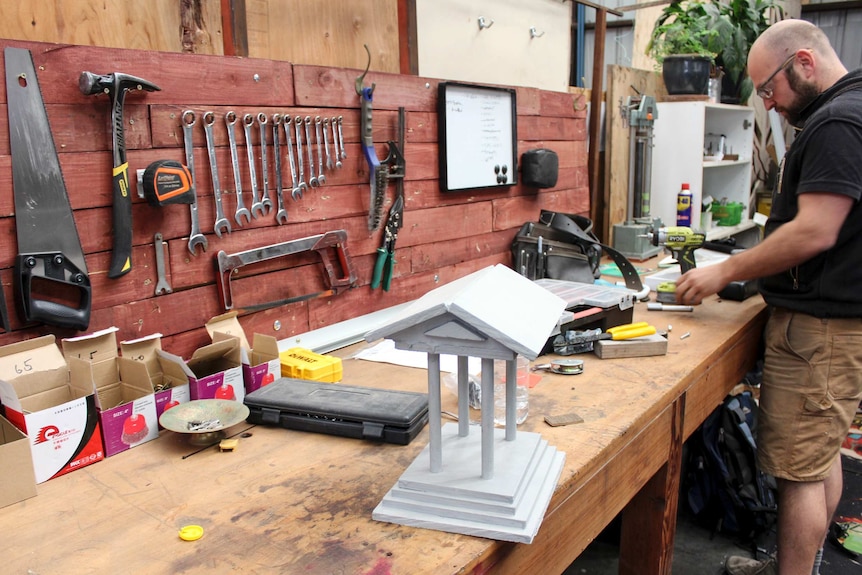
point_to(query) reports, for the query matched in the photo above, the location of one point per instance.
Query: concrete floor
(699, 552)
(695, 552)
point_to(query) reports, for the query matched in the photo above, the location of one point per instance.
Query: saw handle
(55, 276)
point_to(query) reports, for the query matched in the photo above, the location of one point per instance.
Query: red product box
(56, 410)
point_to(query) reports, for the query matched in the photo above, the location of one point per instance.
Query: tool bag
(563, 247)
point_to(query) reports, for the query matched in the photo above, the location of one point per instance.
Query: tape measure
(166, 182)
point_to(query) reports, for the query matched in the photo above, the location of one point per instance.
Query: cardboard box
(169, 381)
(56, 411)
(214, 371)
(260, 363)
(124, 396)
(16, 473)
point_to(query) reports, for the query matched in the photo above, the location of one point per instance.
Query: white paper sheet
(384, 351)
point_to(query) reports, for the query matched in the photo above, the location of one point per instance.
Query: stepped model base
(510, 506)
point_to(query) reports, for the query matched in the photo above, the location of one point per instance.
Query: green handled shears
(385, 263)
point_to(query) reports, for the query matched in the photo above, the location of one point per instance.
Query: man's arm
(814, 229)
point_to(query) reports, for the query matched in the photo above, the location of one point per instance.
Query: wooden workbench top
(295, 502)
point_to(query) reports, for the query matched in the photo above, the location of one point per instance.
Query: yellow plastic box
(303, 363)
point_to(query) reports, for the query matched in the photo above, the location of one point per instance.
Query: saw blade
(43, 215)
(50, 270)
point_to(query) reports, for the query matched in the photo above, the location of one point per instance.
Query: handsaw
(50, 271)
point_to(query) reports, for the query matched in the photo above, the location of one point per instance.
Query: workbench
(295, 502)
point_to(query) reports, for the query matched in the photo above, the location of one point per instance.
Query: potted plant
(720, 31)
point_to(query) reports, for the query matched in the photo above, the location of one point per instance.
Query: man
(810, 270)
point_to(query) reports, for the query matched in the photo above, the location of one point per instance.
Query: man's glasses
(766, 92)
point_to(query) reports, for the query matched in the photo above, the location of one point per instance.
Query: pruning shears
(385, 263)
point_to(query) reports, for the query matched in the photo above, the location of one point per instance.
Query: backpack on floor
(725, 487)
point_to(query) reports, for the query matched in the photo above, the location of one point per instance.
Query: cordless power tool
(681, 242)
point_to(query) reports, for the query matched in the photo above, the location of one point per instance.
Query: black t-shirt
(826, 156)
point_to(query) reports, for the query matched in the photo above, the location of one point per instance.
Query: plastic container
(301, 363)
(683, 207)
(522, 393)
(727, 214)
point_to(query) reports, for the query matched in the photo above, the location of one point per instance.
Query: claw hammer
(115, 85)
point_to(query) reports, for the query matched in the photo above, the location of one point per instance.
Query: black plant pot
(686, 74)
(730, 90)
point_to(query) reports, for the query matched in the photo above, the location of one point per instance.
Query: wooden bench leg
(649, 520)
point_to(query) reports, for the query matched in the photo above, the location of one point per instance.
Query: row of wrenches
(261, 204)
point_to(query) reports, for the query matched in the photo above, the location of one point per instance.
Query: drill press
(640, 113)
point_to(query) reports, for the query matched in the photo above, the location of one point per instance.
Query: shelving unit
(680, 139)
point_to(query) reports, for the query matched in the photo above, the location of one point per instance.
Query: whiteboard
(478, 136)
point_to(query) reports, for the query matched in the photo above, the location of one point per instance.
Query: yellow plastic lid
(191, 532)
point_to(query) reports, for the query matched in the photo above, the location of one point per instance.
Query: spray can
(683, 207)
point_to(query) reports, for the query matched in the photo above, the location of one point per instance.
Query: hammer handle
(121, 253)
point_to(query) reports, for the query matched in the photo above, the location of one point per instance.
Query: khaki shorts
(812, 385)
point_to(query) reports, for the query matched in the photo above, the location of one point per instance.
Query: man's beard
(805, 93)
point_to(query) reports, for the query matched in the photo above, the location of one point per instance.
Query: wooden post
(649, 520)
(234, 27)
(597, 196)
(407, 37)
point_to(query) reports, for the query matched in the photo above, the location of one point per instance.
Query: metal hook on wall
(535, 33)
(485, 24)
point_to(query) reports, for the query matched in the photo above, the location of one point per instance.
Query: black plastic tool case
(336, 409)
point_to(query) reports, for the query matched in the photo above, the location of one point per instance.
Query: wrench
(265, 202)
(329, 163)
(296, 191)
(302, 185)
(221, 222)
(196, 238)
(256, 204)
(335, 146)
(281, 214)
(241, 210)
(321, 178)
(312, 179)
(162, 285)
(341, 138)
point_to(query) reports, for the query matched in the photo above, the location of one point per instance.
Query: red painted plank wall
(445, 235)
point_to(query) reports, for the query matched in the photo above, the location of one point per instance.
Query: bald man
(810, 271)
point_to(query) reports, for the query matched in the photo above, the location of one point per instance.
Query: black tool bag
(563, 246)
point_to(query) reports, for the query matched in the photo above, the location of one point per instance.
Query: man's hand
(698, 283)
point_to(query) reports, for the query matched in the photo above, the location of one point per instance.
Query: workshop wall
(329, 33)
(445, 235)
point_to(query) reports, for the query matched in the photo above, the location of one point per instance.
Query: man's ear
(806, 60)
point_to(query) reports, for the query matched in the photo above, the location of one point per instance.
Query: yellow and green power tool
(681, 242)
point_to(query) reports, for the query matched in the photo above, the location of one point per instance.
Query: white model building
(492, 314)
